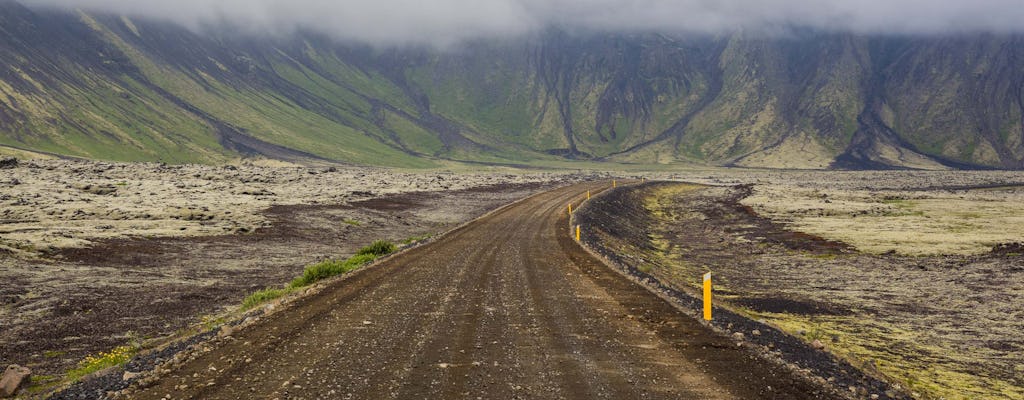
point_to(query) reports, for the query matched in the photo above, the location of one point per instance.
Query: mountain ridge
(119, 88)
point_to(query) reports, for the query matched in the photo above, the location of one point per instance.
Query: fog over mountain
(447, 22)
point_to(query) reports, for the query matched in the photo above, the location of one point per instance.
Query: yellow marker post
(577, 233)
(613, 183)
(588, 195)
(707, 296)
(570, 208)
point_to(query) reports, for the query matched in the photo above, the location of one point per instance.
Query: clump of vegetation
(102, 361)
(329, 268)
(378, 248)
(261, 296)
(352, 222)
(323, 270)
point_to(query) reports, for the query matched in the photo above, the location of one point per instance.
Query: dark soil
(1008, 249)
(103, 296)
(790, 306)
(756, 228)
(506, 307)
(618, 222)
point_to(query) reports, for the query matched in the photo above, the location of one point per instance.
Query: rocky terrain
(938, 326)
(101, 254)
(96, 255)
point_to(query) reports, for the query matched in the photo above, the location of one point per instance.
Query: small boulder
(817, 344)
(15, 377)
(8, 163)
(755, 332)
(129, 376)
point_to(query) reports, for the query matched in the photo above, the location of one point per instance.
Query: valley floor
(94, 256)
(938, 326)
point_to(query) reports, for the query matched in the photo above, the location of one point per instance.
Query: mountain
(117, 88)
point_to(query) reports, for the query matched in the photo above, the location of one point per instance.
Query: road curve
(506, 307)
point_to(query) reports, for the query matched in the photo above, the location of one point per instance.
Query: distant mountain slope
(111, 87)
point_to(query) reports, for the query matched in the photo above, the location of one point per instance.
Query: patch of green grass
(320, 271)
(377, 248)
(262, 296)
(329, 268)
(40, 384)
(102, 361)
(352, 222)
(53, 353)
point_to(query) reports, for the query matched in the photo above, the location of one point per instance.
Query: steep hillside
(111, 87)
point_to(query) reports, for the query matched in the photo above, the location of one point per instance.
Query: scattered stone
(15, 377)
(817, 344)
(755, 332)
(8, 163)
(738, 336)
(874, 396)
(226, 331)
(1008, 249)
(99, 190)
(128, 375)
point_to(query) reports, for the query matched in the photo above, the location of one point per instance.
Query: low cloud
(445, 22)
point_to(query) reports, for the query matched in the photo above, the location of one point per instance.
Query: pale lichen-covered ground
(965, 217)
(51, 204)
(921, 300)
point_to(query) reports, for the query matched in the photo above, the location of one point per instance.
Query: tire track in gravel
(505, 307)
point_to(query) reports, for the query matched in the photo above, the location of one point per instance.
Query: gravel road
(506, 307)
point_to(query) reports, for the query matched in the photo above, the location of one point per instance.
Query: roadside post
(570, 209)
(614, 184)
(577, 233)
(707, 296)
(588, 195)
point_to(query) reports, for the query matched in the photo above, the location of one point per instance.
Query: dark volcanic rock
(8, 162)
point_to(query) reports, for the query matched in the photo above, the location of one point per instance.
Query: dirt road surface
(506, 307)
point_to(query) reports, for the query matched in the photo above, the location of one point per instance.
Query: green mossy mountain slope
(110, 87)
